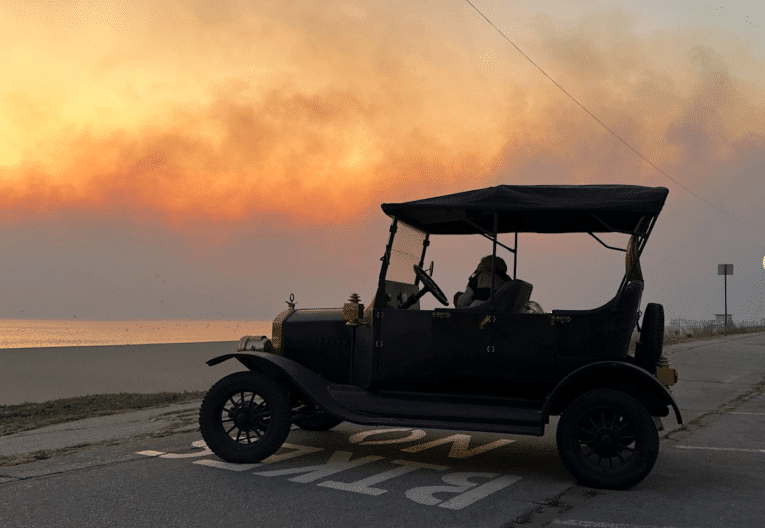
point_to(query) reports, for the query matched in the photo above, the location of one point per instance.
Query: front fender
(608, 374)
(298, 378)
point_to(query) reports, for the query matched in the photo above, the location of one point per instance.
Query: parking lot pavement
(715, 371)
(713, 476)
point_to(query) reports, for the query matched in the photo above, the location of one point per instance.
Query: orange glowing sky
(181, 115)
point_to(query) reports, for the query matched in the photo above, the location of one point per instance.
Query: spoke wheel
(607, 439)
(245, 417)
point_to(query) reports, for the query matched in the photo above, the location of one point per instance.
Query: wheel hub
(244, 417)
(606, 443)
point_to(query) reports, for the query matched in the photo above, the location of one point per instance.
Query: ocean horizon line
(39, 333)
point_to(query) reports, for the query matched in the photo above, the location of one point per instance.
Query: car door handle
(442, 315)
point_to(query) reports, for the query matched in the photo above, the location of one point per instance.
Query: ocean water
(35, 333)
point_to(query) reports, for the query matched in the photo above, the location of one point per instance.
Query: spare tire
(649, 347)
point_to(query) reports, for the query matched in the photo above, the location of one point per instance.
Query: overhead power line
(609, 129)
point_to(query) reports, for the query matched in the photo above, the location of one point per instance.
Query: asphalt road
(152, 469)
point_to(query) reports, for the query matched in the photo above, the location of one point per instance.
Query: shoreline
(48, 333)
(114, 345)
(41, 374)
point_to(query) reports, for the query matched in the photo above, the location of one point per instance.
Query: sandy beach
(43, 374)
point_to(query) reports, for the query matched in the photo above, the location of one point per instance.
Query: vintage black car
(502, 365)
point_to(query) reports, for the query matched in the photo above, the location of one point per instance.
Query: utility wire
(609, 129)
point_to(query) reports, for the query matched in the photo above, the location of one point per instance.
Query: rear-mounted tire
(649, 347)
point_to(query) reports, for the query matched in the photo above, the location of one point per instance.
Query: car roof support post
(380, 295)
(425, 244)
(642, 240)
(493, 257)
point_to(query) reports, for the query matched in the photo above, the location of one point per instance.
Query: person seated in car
(479, 285)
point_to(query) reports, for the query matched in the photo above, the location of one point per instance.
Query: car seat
(511, 297)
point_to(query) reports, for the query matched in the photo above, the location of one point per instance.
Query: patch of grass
(27, 416)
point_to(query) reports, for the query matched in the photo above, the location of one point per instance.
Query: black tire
(607, 439)
(316, 420)
(648, 349)
(245, 417)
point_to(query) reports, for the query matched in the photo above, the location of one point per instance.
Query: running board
(438, 414)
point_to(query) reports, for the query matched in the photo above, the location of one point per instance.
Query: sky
(203, 159)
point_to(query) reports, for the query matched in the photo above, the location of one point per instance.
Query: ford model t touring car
(502, 365)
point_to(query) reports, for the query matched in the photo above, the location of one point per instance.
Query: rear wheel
(245, 417)
(607, 439)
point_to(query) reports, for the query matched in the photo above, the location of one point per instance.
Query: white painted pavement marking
(722, 449)
(358, 437)
(298, 451)
(365, 485)
(467, 492)
(340, 461)
(754, 414)
(593, 524)
(460, 442)
(476, 494)
(459, 483)
(460, 446)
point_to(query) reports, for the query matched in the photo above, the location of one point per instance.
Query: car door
(460, 341)
(522, 347)
(403, 356)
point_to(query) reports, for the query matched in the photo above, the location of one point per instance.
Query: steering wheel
(428, 285)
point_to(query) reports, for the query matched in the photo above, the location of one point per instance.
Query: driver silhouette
(478, 288)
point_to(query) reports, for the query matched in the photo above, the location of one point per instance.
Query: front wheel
(245, 417)
(607, 439)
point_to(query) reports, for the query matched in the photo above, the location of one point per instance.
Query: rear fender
(618, 375)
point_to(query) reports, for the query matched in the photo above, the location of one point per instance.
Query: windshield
(406, 251)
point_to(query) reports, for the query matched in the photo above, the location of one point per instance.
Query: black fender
(299, 379)
(609, 374)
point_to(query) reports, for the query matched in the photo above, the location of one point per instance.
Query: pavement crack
(550, 509)
(708, 417)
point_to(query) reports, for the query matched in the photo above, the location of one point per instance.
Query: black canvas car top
(534, 209)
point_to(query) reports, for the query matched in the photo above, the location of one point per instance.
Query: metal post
(725, 269)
